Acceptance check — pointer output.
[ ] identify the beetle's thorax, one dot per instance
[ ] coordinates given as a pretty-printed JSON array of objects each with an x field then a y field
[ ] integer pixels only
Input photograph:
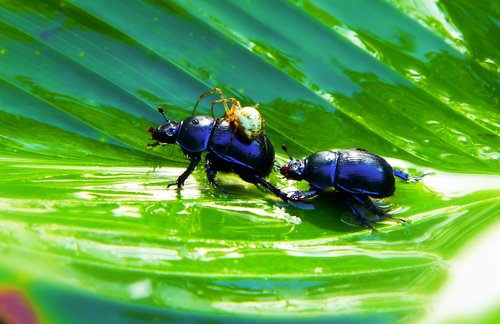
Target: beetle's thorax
[{"x": 321, "y": 168}]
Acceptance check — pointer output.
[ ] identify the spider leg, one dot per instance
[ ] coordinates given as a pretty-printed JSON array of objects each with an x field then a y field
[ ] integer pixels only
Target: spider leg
[
  {"x": 235, "y": 105},
  {"x": 232, "y": 136},
  {"x": 263, "y": 122},
  {"x": 214, "y": 90}
]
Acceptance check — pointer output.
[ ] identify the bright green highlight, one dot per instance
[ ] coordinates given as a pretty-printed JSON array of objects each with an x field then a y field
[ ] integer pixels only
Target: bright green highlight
[{"x": 86, "y": 221}]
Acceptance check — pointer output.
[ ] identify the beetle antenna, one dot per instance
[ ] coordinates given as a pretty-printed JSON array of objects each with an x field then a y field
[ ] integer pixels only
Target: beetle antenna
[
  {"x": 162, "y": 112},
  {"x": 283, "y": 146}
]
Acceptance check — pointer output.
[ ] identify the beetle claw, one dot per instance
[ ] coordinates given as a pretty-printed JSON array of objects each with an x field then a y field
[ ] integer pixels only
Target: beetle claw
[
  {"x": 216, "y": 185},
  {"x": 179, "y": 184},
  {"x": 284, "y": 197},
  {"x": 411, "y": 179},
  {"x": 418, "y": 178},
  {"x": 402, "y": 220},
  {"x": 151, "y": 145},
  {"x": 295, "y": 196},
  {"x": 368, "y": 225}
]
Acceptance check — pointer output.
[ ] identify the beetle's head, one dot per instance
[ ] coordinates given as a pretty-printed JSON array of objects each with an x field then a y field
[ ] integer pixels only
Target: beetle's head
[
  {"x": 166, "y": 133},
  {"x": 294, "y": 169}
]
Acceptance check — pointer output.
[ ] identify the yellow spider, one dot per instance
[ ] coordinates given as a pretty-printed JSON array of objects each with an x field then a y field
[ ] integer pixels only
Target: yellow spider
[{"x": 247, "y": 120}]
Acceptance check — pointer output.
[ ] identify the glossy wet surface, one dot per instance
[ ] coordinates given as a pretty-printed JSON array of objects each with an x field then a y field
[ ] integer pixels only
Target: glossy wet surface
[{"x": 85, "y": 217}]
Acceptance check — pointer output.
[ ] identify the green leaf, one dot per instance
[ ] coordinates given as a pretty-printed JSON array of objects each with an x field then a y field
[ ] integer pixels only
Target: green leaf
[{"x": 86, "y": 220}]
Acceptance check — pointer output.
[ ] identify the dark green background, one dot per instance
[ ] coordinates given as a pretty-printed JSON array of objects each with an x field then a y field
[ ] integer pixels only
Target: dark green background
[{"x": 89, "y": 232}]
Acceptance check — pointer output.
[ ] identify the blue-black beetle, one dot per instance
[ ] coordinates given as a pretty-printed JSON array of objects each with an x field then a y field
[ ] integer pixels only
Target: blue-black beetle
[
  {"x": 226, "y": 150},
  {"x": 356, "y": 173}
]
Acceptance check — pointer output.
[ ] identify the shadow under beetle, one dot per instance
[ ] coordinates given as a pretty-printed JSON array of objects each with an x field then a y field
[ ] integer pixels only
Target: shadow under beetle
[
  {"x": 226, "y": 150},
  {"x": 356, "y": 173}
]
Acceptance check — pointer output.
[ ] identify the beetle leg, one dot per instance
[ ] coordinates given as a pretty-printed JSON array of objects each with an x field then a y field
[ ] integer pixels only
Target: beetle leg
[
  {"x": 406, "y": 177},
  {"x": 151, "y": 145},
  {"x": 257, "y": 179},
  {"x": 366, "y": 201},
  {"x": 402, "y": 175},
  {"x": 360, "y": 216},
  {"x": 180, "y": 181},
  {"x": 368, "y": 204},
  {"x": 299, "y": 195},
  {"x": 211, "y": 173}
]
